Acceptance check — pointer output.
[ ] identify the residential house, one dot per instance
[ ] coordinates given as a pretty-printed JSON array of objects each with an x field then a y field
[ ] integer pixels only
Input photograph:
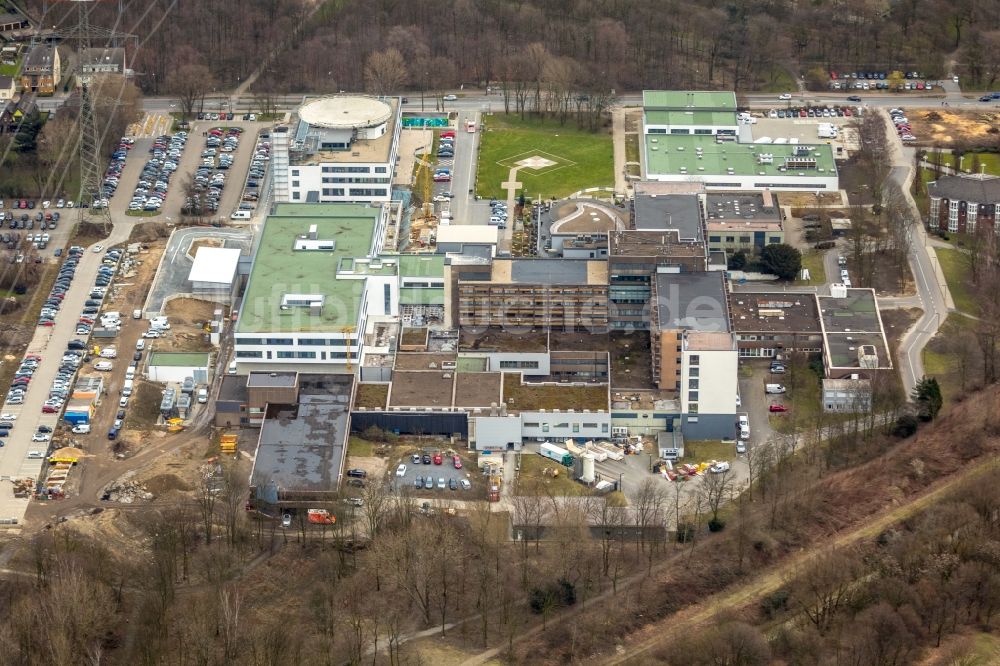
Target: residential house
[{"x": 42, "y": 70}]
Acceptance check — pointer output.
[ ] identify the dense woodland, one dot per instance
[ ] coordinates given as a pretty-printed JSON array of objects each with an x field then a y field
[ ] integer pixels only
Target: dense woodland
[{"x": 609, "y": 44}]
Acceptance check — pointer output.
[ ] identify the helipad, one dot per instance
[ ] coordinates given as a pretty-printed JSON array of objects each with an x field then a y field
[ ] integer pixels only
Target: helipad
[{"x": 345, "y": 112}]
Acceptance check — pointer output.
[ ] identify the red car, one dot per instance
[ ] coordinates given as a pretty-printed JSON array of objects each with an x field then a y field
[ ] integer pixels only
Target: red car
[
  {"x": 448, "y": 134},
  {"x": 49, "y": 409},
  {"x": 437, "y": 458},
  {"x": 32, "y": 357},
  {"x": 777, "y": 408},
  {"x": 47, "y": 323},
  {"x": 457, "y": 462}
]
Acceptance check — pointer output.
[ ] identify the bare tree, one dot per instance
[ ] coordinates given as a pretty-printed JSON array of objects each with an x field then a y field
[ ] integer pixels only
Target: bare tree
[
  {"x": 714, "y": 489},
  {"x": 190, "y": 83},
  {"x": 385, "y": 72}
]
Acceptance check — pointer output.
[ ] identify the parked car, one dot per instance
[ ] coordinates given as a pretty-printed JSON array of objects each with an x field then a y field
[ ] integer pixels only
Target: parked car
[{"x": 774, "y": 407}]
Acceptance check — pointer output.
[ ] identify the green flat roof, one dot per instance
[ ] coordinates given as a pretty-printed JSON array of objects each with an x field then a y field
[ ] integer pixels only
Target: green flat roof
[
  {"x": 421, "y": 265},
  {"x": 717, "y": 157},
  {"x": 683, "y": 99},
  {"x": 421, "y": 295},
  {"x": 695, "y": 117},
  {"x": 179, "y": 359},
  {"x": 278, "y": 269}
]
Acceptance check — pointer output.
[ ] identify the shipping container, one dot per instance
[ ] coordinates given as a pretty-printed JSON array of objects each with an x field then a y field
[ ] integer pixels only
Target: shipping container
[{"x": 557, "y": 453}]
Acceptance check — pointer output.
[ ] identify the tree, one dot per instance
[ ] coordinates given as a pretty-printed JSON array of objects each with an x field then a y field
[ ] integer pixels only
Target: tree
[
  {"x": 781, "y": 259},
  {"x": 714, "y": 488},
  {"x": 927, "y": 395},
  {"x": 817, "y": 78},
  {"x": 190, "y": 83},
  {"x": 738, "y": 261},
  {"x": 385, "y": 72}
]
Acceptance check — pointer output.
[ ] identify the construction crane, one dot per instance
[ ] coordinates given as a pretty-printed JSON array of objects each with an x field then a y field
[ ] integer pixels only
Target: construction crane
[{"x": 347, "y": 331}]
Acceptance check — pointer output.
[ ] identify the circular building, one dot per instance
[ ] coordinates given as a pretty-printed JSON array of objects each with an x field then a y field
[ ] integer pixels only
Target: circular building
[{"x": 337, "y": 116}]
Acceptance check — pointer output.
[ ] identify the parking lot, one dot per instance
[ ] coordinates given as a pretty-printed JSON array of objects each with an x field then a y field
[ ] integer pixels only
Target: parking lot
[
  {"x": 34, "y": 235},
  {"x": 446, "y": 471}
]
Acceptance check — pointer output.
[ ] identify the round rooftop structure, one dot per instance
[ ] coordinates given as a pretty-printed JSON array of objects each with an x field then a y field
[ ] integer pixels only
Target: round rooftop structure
[{"x": 345, "y": 112}]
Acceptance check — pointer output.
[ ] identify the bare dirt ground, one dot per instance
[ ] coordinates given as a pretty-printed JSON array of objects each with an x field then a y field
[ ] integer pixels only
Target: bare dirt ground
[
  {"x": 190, "y": 311},
  {"x": 187, "y": 319},
  {"x": 943, "y": 127},
  {"x": 203, "y": 242},
  {"x": 809, "y": 199}
]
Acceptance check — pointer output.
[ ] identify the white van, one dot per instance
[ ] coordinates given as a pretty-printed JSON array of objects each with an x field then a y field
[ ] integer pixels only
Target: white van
[
  {"x": 109, "y": 352},
  {"x": 81, "y": 429},
  {"x": 130, "y": 372},
  {"x": 104, "y": 366},
  {"x": 240, "y": 215},
  {"x": 111, "y": 316},
  {"x": 202, "y": 395},
  {"x": 127, "y": 387},
  {"x": 136, "y": 314},
  {"x": 140, "y": 344},
  {"x": 774, "y": 388},
  {"x": 159, "y": 322},
  {"x": 232, "y": 368}
]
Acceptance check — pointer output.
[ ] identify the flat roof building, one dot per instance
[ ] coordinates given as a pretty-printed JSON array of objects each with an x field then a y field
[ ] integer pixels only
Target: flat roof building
[
  {"x": 166, "y": 367},
  {"x": 340, "y": 148},
  {"x": 213, "y": 273},
  {"x": 681, "y": 213},
  {"x": 307, "y": 299},
  {"x": 300, "y": 450},
  {"x": 770, "y": 323},
  {"x": 693, "y": 136},
  {"x": 561, "y": 293},
  {"x": 853, "y": 335}
]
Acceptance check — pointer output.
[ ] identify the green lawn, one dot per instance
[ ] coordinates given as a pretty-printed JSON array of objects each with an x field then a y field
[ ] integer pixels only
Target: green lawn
[
  {"x": 581, "y": 159},
  {"x": 707, "y": 450},
  {"x": 956, "y": 273},
  {"x": 360, "y": 448},
  {"x": 813, "y": 260},
  {"x": 11, "y": 70},
  {"x": 940, "y": 360},
  {"x": 531, "y": 479}
]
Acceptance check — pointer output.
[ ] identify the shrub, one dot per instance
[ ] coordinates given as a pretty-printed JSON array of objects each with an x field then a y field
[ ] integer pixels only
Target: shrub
[{"x": 716, "y": 525}]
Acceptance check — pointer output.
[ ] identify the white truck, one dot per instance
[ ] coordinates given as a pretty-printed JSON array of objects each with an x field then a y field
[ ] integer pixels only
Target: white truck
[{"x": 826, "y": 131}]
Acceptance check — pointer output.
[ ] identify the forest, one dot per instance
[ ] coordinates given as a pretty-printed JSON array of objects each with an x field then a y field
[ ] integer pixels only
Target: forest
[{"x": 323, "y": 45}]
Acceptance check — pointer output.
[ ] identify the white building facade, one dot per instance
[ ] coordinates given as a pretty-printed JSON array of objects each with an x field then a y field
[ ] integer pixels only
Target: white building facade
[
  {"x": 709, "y": 384},
  {"x": 343, "y": 149}
]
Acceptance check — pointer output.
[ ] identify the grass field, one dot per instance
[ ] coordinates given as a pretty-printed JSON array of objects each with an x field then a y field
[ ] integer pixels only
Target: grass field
[
  {"x": 813, "y": 260},
  {"x": 956, "y": 273},
  {"x": 580, "y": 159},
  {"x": 708, "y": 450},
  {"x": 11, "y": 70},
  {"x": 532, "y": 481},
  {"x": 940, "y": 359}
]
